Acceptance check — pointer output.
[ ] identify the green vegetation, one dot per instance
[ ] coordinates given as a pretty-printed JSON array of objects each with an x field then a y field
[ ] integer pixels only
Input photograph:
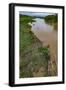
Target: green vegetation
[
  {"x": 26, "y": 36},
  {"x": 33, "y": 56},
  {"x": 45, "y": 52},
  {"x": 52, "y": 20}
]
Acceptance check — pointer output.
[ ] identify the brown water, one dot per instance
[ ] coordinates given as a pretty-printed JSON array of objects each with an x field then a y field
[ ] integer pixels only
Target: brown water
[{"x": 45, "y": 33}]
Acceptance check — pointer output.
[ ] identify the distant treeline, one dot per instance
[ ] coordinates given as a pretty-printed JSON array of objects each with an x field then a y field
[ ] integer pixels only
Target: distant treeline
[
  {"x": 51, "y": 18},
  {"x": 31, "y": 16}
]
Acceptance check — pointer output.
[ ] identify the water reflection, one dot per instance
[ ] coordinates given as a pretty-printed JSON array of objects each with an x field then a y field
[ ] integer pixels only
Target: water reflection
[
  {"x": 44, "y": 31},
  {"x": 41, "y": 25}
]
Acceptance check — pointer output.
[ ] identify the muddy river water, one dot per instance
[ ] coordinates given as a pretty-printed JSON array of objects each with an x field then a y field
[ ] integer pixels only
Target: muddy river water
[{"x": 47, "y": 35}]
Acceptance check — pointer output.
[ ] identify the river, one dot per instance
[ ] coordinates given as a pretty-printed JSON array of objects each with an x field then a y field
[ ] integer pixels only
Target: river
[{"x": 48, "y": 36}]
